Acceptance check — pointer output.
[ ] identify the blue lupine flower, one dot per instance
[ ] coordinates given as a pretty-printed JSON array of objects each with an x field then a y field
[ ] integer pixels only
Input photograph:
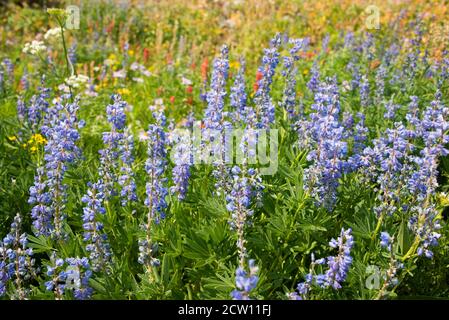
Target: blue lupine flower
[
  {"x": 38, "y": 107},
  {"x": 338, "y": 265},
  {"x": 400, "y": 170},
  {"x": 360, "y": 137},
  {"x": 214, "y": 116},
  {"x": 314, "y": 81},
  {"x": 324, "y": 136},
  {"x": 364, "y": 92},
  {"x": 2, "y": 81},
  {"x": 381, "y": 75},
  {"x": 303, "y": 288},
  {"x": 355, "y": 70},
  {"x": 41, "y": 212},
  {"x": 115, "y": 113},
  {"x": 24, "y": 82},
  {"x": 349, "y": 40},
  {"x": 78, "y": 274},
  {"x": 72, "y": 54},
  {"x": 96, "y": 240},
  {"x": 61, "y": 130},
  {"x": 58, "y": 276},
  {"x": 238, "y": 96},
  {"x": 442, "y": 70},
  {"x": 156, "y": 189},
  {"x": 412, "y": 115},
  {"x": 411, "y": 63},
  {"x": 391, "y": 109},
  {"x": 245, "y": 281},
  {"x": 147, "y": 252},
  {"x": 245, "y": 186},
  {"x": 391, "y": 275},
  {"x": 9, "y": 67},
  {"x": 215, "y": 123},
  {"x": 325, "y": 43},
  {"x": 262, "y": 99},
  {"x": 183, "y": 159},
  {"x": 4, "y": 274},
  {"x": 394, "y": 265},
  {"x": 368, "y": 46},
  {"x": 126, "y": 179},
  {"x": 423, "y": 180},
  {"x": 21, "y": 110},
  {"x": 385, "y": 240},
  {"x": 155, "y": 167},
  {"x": 16, "y": 260},
  {"x": 391, "y": 54},
  {"x": 386, "y": 163},
  {"x": 117, "y": 146},
  {"x": 289, "y": 72},
  {"x": 238, "y": 202}
]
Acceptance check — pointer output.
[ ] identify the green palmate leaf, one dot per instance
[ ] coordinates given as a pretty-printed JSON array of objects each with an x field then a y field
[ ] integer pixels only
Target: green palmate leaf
[
  {"x": 98, "y": 286},
  {"x": 404, "y": 238},
  {"x": 40, "y": 244}
]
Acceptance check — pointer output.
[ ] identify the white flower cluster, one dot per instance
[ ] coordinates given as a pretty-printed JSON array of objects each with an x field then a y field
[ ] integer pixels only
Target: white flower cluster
[
  {"x": 53, "y": 34},
  {"x": 185, "y": 81},
  {"x": 35, "y": 47},
  {"x": 139, "y": 67},
  {"x": 77, "y": 81}
]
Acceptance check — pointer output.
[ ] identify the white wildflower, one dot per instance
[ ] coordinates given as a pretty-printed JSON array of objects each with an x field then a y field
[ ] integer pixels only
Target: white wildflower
[
  {"x": 35, "y": 47},
  {"x": 119, "y": 74},
  {"x": 77, "y": 81},
  {"x": 186, "y": 81},
  {"x": 53, "y": 34},
  {"x": 138, "y": 79},
  {"x": 143, "y": 136}
]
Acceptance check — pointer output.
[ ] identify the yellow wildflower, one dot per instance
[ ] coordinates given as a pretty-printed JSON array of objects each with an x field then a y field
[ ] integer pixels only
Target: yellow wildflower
[
  {"x": 234, "y": 65},
  {"x": 443, "y": 199},
  {"x": 12, "y": 138},
  {"x": 112, "y": 57},
  {"x": 123, "y": 91},
  {"x": 39, "y": 139}
]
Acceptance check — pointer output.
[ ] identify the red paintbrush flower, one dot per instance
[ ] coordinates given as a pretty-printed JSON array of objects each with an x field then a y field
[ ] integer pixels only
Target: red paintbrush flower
[
  {"x": 146, "y": 54},
  {"x": 259, "y": 76},
  {"x": 110, "y": 26},
  {"x": 204, "y": 66}
]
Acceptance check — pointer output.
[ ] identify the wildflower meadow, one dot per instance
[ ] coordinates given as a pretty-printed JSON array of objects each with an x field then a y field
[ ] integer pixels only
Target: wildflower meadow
[{"x": 244, "y": 149}]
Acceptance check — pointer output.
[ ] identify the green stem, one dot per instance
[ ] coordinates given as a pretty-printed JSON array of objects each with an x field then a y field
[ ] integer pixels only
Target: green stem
[
  {"x": 69, "y": 66},
  {"x": 379, "y": 224},
  {"x": 412, "y": 249}
]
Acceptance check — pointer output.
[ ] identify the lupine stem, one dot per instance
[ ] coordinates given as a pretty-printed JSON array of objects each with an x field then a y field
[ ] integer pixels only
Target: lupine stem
[{"x": 69, "y": 66}]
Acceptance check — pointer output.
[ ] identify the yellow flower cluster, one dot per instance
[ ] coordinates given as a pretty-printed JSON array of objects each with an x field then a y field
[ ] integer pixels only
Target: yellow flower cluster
[
  {"x": 35, "y": 142},
  {"x": 123, "y": 91},
  {"x": 443, "y": 199}
]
